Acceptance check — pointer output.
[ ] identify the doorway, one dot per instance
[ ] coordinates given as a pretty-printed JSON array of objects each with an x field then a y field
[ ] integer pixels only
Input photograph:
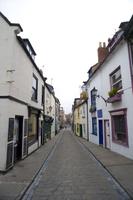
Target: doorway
[
  {"x": 107, "y": 134},
  {"x": 100, "y": 132},
  {"x": 18, "y": 133},
  {"x": 81, "y": 131}
]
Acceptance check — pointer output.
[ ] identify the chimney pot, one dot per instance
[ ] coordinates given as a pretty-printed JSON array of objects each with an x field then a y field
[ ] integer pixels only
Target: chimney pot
[
  {"x": 104, "y": 44},
  {"x": 100, "y": 44},
  {"x": 102, "y": 52}
]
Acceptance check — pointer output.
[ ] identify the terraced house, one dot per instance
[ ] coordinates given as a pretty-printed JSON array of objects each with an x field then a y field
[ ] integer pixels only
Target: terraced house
[
  {"x": 22, "y": 88},
  {"x": 80, "y": 116},
  {"x": 110, "y": 93}
]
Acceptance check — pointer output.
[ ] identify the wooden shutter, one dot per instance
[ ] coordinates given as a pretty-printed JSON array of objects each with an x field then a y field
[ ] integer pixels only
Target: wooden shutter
[
  {"x": 9, "y": 161},
  {"x": 10, "y": 144},
  {"x": 10, "y": 129}
]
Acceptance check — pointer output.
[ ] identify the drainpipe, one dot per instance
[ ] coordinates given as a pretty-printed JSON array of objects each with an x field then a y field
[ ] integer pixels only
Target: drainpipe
[
  {"x": 87, "y": 121},
  {"x": 44, "y": 134}
]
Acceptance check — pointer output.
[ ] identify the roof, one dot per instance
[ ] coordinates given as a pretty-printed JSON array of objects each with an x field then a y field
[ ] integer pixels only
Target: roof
[
  {"x": 50, "y": 87},
  {"x": 126, "y": 31},
  {"x": 26, "y": 40},
  {"x": 129, "y": 28},
  {"x": 97, "y": 66},
  {"x": 57, "y": 100},
  {"x": 9, "y": 23},
  {"x": 78, "y": 104},
  {"x": 20, "y": 40}
]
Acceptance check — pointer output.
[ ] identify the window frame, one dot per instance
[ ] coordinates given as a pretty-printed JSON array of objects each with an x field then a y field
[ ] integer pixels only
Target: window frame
[
  {"x": 30, "y": 129},
  {"x": 35, "y": 89},
  {"x": 93, "y": 132},
  {"x": 93, "y": 97},
  {"x": 112, "y": 74},
  {"x": 42, "y": 95},
  {"x": 119, "y": 112}
]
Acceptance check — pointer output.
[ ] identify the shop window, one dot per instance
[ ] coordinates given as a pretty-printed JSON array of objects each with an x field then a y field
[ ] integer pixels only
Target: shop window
[
  {"x": 32, "y": 127},
  {"x": 94, "y": 125},
  {"x": 119, "y": 127},
  {"x": 115, "y": 79},
  {"x": 34, "y": 88}
]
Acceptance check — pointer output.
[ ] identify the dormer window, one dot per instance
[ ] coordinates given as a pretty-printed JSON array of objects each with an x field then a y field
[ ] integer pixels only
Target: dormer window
[{"x": 29, "y": 48}]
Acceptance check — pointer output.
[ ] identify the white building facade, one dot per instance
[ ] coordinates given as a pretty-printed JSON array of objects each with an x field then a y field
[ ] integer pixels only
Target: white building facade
[
  {"x": 110, "y": 117},
  {"x": 50, "y": 114},
  {"x": 21, "y": 96}
]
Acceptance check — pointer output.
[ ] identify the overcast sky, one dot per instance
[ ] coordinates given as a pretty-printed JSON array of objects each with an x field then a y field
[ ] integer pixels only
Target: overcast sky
[{"x": 65, "y": 35}]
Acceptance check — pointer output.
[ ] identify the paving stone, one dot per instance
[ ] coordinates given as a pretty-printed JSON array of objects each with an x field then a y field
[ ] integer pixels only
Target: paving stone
[{"x": 72, "y": 174}]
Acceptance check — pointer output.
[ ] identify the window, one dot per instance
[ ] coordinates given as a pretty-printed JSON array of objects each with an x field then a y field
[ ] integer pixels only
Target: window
[
  {"x": 115, "y": 78},
  {"x": 34, "y": 88},
  {"x": 32, "y": 127},
  {"x": 78, "y": 112},
  {"x": 119, "y": 127},
  {"x": 42, "y": 94},
  {"x": 94, "y": 125},
  {"x": 83, "y": 113},
  {"x": 93, "y": 97}
]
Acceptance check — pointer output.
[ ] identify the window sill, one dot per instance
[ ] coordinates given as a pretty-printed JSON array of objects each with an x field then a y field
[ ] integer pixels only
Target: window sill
[
  {"x": 125, "y": 144},
  {"x": 32, "y": 142}
]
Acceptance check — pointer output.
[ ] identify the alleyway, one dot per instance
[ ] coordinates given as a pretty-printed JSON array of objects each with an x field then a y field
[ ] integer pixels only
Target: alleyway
[{"x": 71, "y": 173}]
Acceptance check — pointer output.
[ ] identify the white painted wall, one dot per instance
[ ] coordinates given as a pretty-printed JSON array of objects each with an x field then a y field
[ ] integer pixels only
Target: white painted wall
[
  {"x": 50, "y": 102},
  {"x": 101, "y": 81},
  {"x": 8, "y": 109},
  {"x": 13, "y": 57}
]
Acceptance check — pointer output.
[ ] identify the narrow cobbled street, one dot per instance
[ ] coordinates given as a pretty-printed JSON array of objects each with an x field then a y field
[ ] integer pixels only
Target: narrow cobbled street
[{"x": 72, "y": 173}]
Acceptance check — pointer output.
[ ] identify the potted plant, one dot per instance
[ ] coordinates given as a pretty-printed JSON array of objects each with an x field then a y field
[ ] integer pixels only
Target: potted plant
[{"x": 114, "y": 95}]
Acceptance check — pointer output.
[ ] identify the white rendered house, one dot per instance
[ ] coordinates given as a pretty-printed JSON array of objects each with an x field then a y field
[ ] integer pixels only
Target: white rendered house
[
  {"x": 110, "y": 117},
  {"x": 21, "y": 96},
  {"x": 50, "y": 114}
]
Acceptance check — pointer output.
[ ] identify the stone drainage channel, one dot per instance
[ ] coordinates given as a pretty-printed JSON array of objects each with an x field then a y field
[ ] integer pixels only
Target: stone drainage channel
[{"x": 27, "y": 194}]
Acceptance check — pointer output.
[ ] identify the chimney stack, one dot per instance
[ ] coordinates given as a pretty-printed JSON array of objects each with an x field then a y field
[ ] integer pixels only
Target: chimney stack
[{"x": 102, "y": 52}]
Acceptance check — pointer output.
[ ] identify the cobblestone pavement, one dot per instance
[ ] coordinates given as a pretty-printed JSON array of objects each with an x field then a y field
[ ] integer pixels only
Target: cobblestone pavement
[{"x": 73, "y": 174}]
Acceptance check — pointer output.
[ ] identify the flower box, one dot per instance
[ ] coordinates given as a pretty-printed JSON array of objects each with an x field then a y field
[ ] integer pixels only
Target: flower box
[{"x": 115, "y": 98}]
